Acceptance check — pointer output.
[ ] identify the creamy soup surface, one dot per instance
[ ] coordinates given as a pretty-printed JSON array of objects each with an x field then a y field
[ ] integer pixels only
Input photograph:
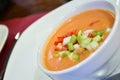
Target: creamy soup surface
[{"x": 76, "y": 39}]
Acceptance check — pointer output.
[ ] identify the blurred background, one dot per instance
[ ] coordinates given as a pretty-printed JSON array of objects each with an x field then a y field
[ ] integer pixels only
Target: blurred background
[{"x": 10, "y": 9}]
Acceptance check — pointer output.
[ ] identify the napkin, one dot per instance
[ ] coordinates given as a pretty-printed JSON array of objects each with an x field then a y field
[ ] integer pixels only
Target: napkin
[{"x": 16, "y": 25}]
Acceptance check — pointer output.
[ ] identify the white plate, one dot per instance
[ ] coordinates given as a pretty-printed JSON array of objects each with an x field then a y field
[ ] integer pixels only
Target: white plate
[
  {"x": 3, "y": 35},
  {"x": 22, "y": 64}
]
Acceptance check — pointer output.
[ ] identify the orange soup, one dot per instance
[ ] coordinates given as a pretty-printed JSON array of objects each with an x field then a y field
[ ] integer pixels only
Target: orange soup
[{"x": 76, "y": 39}]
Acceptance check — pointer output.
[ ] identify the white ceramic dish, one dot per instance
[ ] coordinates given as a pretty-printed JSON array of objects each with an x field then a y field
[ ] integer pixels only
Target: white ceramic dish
[
  {"x": 3, "y": 35},
  {"x": 22, "y": 64},
  {"x": 99, "y": 64}
]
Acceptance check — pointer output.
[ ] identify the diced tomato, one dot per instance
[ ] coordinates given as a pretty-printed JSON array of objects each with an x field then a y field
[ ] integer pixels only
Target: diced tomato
[
  {"x": 56, "y": 42},
  {"x": 59, "y": 40},
  {"x": 60, "y": 47},
  {"x": 90, "y": 35}
]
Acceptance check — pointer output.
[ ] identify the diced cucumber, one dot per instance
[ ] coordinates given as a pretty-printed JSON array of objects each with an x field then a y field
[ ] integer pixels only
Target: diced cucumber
[
  {"x": 100, "y": 32},
  {"x": 65, "y": 54},
  {"x": 94, "y": 44},
  {"x": 70, "y": 47},
  {"x": 79, "y": 39},
  {"x": 73, "y": 39},
  {"x": 75, "y": 57},
  {"x": 97, "y": 38},
  {"x": 86, "y": 41},
  {"x": 89, "y": 47},
  {"x": 83, "y": 45},
  {"x": 84, "y": 37}
]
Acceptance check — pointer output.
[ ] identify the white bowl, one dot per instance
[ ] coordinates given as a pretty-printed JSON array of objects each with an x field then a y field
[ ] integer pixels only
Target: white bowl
[{"x": 99, "y": 64}]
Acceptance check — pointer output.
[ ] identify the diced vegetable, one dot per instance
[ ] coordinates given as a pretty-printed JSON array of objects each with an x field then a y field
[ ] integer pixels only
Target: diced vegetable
[
  {"x": 59, "y": 46},
  {"x": 94, "y": 44},
  {"x": 79, "y": 50},
  {"x": 79, "y": 39},
  {"x": 65, "y": 54},
  {"x": 61, "y": 52},
  {"x": 89, "y": 47},
  {"x": 75, "y": 57},
  {"x": 97, "y": 38},
  {"x": 73, "y": 39},
  {"x": 83, "y": 45},
  {"x": 100, "y": 32},
  {"x": 76, "y": 46},
  {"x": 91, "y": 35},
  {"x": 66, "y": 40},
  {"x": 59, "y": 40},
  {"x": 87, "y": 32},
  {"x": 84, "y": 37},
  {"x": 80, "y": 33},
  {"x": 86, "y": 41},
  {"x": 70, "y": 47}
]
